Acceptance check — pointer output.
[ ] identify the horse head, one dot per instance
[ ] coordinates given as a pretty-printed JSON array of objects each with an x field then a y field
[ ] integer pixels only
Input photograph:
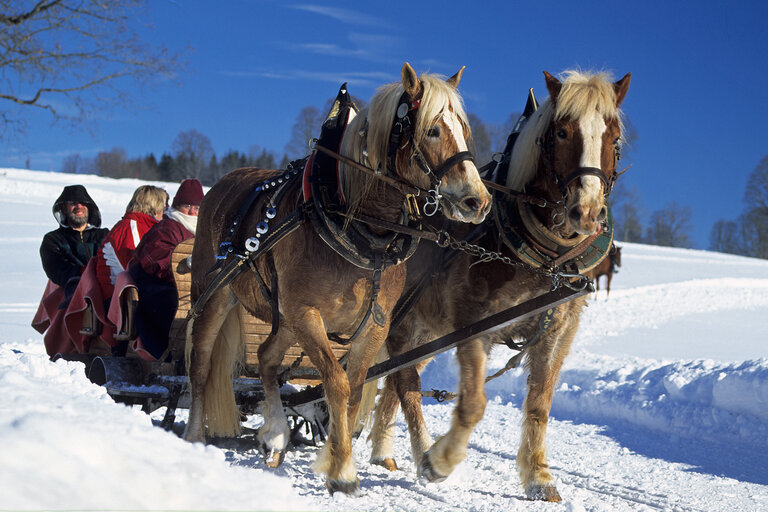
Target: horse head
[
  {"x": 570, "y": 149},
  {"x": 583, "y": 141},
  {"x": 426, "y": 145}
]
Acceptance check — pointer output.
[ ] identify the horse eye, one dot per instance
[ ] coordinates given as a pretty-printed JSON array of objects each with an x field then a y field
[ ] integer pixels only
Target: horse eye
[
  {"x": 434, "y": 132},
  {"x": 617, "y": 141},
  {"x": 562, "y": 134}
]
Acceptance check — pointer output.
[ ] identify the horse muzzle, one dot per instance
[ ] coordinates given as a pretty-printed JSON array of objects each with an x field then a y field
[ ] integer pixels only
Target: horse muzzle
[
  {"x": 584, "y": 220},
  {"x": 471, "y": 208}
]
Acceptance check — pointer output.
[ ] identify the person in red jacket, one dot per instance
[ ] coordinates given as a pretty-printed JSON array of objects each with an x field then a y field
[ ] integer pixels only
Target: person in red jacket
[
  {"x": 150, "y": 267},
  {"x": 143, "y": 211}
]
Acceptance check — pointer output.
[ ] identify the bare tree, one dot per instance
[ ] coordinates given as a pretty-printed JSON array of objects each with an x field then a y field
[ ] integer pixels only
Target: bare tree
[
  {"x": 756, "y": 215},
  {"x": 499, "y": 133},
  {"x": 72, "y": 58},
  {"x": 627, "y": 210},
  {"x": 113, "y": 163},
  {"x": 76, "y": 164},
  {"x": 480, "y": 144},
  {"x": 193, "y": 152},
  {"x": 306, "y": 127},
  {"x": 725, "y": 237},
  {"x": 670, "y": 226}
]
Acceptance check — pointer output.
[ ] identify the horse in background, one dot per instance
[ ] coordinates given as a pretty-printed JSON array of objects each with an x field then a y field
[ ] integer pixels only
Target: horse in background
[
  {"x": 561, "y": 168},
  {"x": 607, "y": 268},
  {"x": 324, "y": 288}
]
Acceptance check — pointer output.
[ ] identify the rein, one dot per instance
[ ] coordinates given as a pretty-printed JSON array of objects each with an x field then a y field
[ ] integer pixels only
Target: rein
[{"x": 403, "y": 187}]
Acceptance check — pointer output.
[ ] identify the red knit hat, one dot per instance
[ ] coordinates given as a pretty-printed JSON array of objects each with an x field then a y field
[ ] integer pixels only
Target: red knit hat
[{"x": 190, "y": 192}]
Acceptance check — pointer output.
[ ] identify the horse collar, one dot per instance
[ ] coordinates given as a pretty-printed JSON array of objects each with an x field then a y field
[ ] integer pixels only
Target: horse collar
[
  {"x": 351, "y": 240},
  {"x": 536, "y": 245}
]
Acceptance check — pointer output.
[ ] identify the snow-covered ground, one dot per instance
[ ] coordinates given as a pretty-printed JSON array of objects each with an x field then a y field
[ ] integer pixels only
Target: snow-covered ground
[{"x": 663, "y": 403}]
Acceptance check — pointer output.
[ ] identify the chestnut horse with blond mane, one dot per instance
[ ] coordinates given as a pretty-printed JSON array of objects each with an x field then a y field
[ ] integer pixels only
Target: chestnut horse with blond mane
[
  {"x": 549, "y": 229},
  {"x": 322, "y": 288}
]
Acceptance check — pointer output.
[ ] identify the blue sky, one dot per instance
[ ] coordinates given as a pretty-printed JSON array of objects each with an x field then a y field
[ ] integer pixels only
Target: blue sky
[{"x": 697, "y": 99}]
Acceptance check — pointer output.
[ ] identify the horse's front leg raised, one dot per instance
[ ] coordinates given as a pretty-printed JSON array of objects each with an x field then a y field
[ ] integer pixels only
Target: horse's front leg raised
[
  {"x": 544, "y": 361},
  {"x": 275, "y": 433},
  {"x": 450, "y": 449}
]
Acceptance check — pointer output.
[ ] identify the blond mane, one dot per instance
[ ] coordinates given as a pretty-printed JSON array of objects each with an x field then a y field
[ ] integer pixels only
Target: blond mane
[
  {"x": 582, "y": 93},
  {"x": 368, "y": 133}
]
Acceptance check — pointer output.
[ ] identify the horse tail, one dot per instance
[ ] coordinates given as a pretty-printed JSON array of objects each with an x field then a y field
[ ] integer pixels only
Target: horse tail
[
  {"x": 368, "y": 400},
  {"x": 222, "y": 415}
]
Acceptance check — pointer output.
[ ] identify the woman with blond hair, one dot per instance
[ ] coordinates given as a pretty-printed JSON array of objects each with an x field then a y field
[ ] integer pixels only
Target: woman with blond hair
[{"x": 144, "y": 210}]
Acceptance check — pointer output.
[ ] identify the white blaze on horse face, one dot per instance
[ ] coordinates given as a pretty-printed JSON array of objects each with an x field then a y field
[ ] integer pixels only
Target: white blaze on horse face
[
  {"x": 456, "y": 132},
  {"x": 592, "y": 129}
]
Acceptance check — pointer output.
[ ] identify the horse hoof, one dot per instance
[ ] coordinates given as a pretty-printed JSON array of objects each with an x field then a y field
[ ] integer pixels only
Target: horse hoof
[
  {"x": 387, "y": 462},
  {"x": 427, "y": 471},
  {"x": 546, "y": 492},
  {"x": 343, "y": 486},
  {"x": 273, "y": 458}
]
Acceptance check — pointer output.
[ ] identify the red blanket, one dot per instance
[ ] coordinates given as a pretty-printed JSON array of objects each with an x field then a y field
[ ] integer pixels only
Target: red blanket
[
  {"x": 51, "y": 319},
  {"x": 123, "y": 283}
]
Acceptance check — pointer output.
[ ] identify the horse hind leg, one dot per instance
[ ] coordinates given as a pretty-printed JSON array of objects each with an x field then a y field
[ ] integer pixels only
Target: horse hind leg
[
  {"x": 450, "y": 449},
  {"x": 383, "y": 430},
  {"x": 206, "y": 341},
  {"x": 275, "y": 433}
]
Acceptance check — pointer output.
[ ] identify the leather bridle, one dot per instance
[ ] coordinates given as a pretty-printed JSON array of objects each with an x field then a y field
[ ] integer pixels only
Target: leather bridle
[
  {"x": 403, "y": 128},
  {"x": 547, "y": 147}
]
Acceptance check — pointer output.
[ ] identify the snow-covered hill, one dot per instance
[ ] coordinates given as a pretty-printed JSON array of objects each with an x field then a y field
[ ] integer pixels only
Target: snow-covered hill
[{"x": 663, "y": 403}]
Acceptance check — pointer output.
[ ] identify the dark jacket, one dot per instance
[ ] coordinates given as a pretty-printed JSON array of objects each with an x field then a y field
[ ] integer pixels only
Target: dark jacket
[
  {"x": 65, "y": 252},
  {"x": 150, "y": 268}
]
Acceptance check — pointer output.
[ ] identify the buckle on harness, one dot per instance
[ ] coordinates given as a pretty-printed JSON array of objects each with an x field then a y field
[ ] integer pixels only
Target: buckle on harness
[
  {"x": 413, "y": 207},
  {"x": 224, "y": 249}
]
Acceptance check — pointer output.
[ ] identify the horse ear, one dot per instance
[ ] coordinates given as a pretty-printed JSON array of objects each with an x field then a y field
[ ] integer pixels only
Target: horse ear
[
  {"x": 455, "y": 79},
  {"x": 621, "y": 88},
  {"x": 553, "y": 86},
  {"x": 411, "y": 82}
]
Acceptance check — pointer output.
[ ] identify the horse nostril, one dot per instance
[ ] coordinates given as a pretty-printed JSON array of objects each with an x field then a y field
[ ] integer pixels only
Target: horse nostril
[
  {"x": 602, "y": 214},
  {"x": 471, "y": 203},
  {"x": 575, "y": 214}
]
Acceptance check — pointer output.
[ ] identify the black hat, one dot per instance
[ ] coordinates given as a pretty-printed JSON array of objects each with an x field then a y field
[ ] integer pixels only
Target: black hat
[{"x": 76, "y": 194}]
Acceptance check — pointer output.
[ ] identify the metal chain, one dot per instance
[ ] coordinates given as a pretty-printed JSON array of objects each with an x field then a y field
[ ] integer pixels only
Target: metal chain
[{"x": 485, "y": 256}]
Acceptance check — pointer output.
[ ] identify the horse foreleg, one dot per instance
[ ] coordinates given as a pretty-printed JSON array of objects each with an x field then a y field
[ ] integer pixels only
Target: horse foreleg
[
  {"x": 335, "y": 458},
  {"x": 544, "y": 361},
  {"x": 201, "y": 339},
  {"x": 275, "y": 433},
  {"x": 450, "y": 449},
  {"x": 608, "y": 285}
]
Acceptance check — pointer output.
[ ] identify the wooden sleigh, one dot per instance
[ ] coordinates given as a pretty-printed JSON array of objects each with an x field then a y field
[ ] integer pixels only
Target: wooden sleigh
[{"x": 134, "y": 379}]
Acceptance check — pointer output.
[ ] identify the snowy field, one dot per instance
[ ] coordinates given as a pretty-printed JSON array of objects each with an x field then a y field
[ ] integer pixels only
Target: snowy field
[{"x": 662, "y": 405}]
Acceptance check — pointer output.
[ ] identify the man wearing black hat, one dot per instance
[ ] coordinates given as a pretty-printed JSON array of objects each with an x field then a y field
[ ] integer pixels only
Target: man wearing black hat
[{"x": 65, "y": 252}]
